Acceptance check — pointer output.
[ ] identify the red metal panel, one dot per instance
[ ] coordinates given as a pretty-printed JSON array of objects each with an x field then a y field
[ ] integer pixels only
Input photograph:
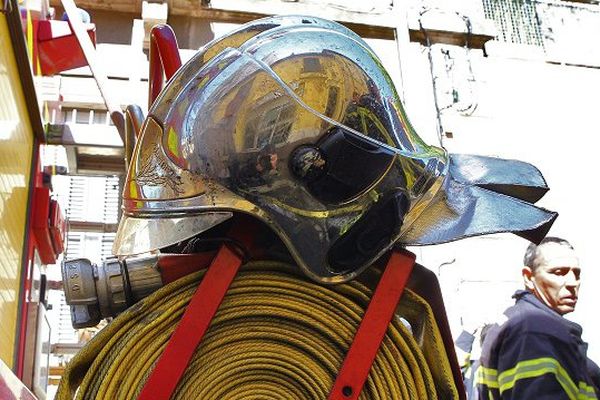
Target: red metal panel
[
  {"x": 58, "y": 48},
  {"x": 58, "y": 227},
  {"x": 39, "y": 224},
  {"x": 27, "y": 266},
  {"x": 48, "y": 225}
]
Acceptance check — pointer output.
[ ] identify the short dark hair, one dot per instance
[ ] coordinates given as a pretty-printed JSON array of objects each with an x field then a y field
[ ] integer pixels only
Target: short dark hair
[{"x": 532, "y": 254}]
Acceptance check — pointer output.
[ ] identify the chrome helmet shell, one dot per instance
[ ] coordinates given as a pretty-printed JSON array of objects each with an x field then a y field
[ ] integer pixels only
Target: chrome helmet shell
[{"x": 298, "y": 125}]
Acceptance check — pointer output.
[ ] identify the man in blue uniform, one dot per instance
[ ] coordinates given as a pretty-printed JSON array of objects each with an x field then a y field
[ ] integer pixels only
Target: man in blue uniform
[{"x": 536, "y": 353}]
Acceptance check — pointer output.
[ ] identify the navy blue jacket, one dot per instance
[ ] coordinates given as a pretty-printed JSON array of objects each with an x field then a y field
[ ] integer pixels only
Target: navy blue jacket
[{"x": 535, "y": 354}]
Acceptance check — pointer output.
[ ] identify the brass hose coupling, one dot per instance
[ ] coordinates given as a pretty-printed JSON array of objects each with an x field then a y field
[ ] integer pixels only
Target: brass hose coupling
[{"x": 102, "y": 291}]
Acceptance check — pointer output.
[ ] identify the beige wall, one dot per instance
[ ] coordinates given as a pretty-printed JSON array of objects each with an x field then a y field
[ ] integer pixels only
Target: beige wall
[{"x": 527, "y": 109}]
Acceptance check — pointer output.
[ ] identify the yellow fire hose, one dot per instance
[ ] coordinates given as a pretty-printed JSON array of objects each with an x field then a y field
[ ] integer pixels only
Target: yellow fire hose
[{"x": 276, "y": 335}]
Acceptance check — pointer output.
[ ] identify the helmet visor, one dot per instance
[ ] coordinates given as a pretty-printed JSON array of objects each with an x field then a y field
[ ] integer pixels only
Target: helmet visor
[
  {"x": 305, "y": 143},
  {"x": 243, "y": 123}
]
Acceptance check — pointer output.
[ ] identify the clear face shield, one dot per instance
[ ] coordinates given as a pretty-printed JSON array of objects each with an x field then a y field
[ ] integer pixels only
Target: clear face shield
[{"x": 307, "y": 143}]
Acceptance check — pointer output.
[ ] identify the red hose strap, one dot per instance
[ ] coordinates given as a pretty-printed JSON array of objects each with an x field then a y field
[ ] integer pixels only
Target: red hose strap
[
  {"x": 193, "y": 325},
  {"x": 370, "y": 333},
  {"x": 206, "y": 300}
]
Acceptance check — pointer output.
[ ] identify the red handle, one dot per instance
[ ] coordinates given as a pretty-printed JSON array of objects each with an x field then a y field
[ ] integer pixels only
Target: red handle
[{"x": 164, "y": 59}]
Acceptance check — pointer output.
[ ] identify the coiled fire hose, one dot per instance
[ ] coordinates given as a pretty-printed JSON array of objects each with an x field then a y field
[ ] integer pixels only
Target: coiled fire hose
[{"x": 276, "y": 335}]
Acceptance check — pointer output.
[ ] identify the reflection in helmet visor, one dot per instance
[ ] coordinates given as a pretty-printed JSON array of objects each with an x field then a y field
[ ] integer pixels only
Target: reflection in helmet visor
[
  {"x": 378, "y": 228},
  {"x": 241, "y": 103},
  {"x": 352, "y": 165}
]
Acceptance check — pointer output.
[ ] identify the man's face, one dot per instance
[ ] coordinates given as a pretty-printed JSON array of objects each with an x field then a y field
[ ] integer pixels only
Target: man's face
[{"x": 556, "y": 280}]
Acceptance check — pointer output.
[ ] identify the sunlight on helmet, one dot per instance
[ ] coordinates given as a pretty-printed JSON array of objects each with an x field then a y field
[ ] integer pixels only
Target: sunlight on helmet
[{"x": 300, "y": 126}]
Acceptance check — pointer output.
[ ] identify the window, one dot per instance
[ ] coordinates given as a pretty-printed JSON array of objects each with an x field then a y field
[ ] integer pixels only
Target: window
[{"x": 517, "y": 21}]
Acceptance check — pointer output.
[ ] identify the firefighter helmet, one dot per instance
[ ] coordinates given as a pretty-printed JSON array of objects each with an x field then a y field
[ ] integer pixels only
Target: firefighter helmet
[{"x": 298, "y": 125}]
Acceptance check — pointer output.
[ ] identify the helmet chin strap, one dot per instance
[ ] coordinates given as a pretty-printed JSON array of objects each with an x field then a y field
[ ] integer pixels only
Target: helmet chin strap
[{"x": 539, "y": 294}]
